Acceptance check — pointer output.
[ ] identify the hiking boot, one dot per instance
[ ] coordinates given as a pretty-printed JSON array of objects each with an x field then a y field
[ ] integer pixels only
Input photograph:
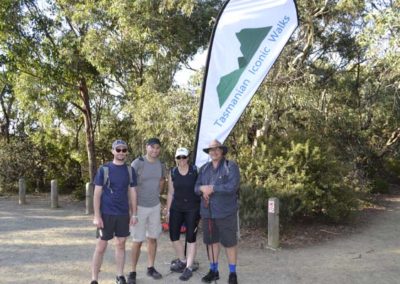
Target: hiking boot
[
  {"x": 232, "y": 278},
  {"x": 177, "y": 266},
  {"x": 120, "y": 280},
  {"x": 132, "y": 278},
  {"x": 211, "y": 276},
  {"x": 94, "y": 282},
  {"x": 152, "y": 272},
  {"x": 187, "y": 273}
]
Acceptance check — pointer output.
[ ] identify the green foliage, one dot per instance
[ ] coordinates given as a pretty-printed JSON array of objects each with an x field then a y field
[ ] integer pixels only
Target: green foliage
[
  {"x": 321, "y": 131},
  {"x": 307, "y": 180},
  {"x": 38, "y": 164},
  {"x": 17, "y": 160},
  {"x": 158, "y": 114},
  {"x": 253, "y": 206},
  {"x": 380, "y": 186},
  {"x": 393, "y": 165}
]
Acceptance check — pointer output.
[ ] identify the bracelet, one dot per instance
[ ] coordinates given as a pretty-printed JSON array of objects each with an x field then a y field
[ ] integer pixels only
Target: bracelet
[{"x": 134, "y": 216}]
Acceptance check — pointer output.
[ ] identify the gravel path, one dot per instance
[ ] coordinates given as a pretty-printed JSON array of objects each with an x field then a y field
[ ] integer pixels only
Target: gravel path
[{"x": 43, "y": 245}]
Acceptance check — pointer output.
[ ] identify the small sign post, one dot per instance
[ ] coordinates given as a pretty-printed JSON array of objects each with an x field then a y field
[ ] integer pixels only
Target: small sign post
[
  {"x": 22, "y": 191},
  {"x": 54, "y": 194},
  {"x": 89, "y": 198},
  {"x": 273, "y": 222}
]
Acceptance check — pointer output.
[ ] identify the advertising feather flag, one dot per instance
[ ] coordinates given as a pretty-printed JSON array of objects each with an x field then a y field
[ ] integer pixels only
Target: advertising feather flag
[{"x": 248, "y": 37}]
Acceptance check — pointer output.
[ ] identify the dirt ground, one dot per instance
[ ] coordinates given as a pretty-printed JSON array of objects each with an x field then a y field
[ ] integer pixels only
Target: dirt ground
[{"x": 43, "y": 245}]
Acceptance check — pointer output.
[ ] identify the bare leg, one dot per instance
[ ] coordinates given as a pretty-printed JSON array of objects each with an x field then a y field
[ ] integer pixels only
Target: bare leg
[
  {"x": 213, "y": 251},
  {"x": 191, "y": 254},
  {"x": 151, "y": 251},
  {"x": 120, "y": 255},
  {"x": 98, "y": 258},
  {"x": 135, "y": 254},
  {"x": 231, "y": 254},
  {"x": 179, "y": 250}
]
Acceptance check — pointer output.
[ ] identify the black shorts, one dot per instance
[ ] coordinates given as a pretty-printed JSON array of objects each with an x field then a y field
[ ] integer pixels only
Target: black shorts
[
  {"x": 114, "y": 225},
  {"x": 177, "y": 218},
  {"x": 221, "y": 230}
]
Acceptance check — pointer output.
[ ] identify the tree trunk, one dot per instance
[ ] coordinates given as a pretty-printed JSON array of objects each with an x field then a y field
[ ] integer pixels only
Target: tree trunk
[
  {"x": 390, "y": 144},
  {"x": 89, "y": 130},
  {"x": 5, "y": 127}
]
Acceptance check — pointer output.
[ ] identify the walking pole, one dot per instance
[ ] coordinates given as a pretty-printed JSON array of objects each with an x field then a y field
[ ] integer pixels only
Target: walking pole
[{"x": 210, "y": 234}]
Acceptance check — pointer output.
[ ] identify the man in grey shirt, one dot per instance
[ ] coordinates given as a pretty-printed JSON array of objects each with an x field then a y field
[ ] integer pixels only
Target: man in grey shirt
[{"x": 151, "y": 175}]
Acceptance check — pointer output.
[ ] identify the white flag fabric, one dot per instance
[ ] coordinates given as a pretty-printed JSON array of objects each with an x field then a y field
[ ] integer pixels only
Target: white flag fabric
[{"x": 247, "y": 39}]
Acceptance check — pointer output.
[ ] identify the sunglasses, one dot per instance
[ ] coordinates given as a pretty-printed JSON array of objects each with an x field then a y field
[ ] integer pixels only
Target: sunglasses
[
  {"x": 181, "y": 157},
  {"x": 121, "y": 150}
]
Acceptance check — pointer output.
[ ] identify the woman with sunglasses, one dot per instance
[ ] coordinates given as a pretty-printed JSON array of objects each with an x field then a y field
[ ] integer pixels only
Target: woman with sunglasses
[{"x": 183, "y": 207}]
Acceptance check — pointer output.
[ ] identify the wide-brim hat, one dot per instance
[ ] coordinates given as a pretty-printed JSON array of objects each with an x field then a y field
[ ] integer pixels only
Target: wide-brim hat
[{"x": 216, "y": 144}]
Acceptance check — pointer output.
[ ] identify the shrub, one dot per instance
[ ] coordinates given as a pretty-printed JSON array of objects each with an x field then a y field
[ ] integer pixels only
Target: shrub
[
  {"x": 253, "y": 206},
  {"x": 307, "y": 180}
]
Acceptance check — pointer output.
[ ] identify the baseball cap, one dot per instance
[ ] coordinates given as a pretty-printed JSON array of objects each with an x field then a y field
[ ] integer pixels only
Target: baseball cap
[
  {"x": 117, "y": 143},
  {"x": 181, "y": 152},
  {"x": 153, "y": 141}
]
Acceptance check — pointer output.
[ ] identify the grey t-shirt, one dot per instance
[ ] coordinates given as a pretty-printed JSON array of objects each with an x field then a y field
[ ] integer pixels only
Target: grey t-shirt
[{"x": 148, "y": 178}]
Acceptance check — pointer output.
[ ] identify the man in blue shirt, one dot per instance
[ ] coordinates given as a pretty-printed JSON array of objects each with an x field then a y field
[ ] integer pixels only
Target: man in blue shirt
[
  {"x": 115, "y": 207},
  {"x": 218, "y": 184}
]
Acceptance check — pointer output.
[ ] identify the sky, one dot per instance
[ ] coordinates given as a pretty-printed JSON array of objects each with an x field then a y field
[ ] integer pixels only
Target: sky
[{"x": 182, "y": 77}]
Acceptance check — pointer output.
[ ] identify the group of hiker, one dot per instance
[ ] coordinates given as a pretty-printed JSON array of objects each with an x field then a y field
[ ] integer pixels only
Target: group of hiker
[{"x": 127, "y": 203}]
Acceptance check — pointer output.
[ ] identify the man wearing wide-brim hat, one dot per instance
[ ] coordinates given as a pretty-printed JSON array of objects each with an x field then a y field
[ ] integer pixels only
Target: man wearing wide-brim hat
[
  {"x": 216, "y": 144},
  {"x": 218, "y": 184}
]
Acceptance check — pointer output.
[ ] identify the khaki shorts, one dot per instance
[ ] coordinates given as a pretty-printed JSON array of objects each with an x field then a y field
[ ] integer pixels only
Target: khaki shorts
[{"x": 148, "y": 225}]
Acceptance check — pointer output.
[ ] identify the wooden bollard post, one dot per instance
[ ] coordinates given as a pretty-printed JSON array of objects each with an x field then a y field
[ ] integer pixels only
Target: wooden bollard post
[
  {"x": 54, "y": 194},
  {"x": 22, "y": 191},
  {"x": 273, "y": 222},
  {"x": 89, "y": 198}
]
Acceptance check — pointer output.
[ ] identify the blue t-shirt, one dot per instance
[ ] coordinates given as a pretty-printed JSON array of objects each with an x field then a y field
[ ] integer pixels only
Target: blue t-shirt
[{"x": 114, "y": 199}]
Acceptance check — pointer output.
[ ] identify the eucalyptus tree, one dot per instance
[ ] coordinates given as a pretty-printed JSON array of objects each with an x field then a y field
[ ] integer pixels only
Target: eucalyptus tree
[
  {"x": 86, "y": 59},
  {"x": 52, "y": 76},
  {"x": 335, "y": 75},
  {"x": 7, "y": 99}
]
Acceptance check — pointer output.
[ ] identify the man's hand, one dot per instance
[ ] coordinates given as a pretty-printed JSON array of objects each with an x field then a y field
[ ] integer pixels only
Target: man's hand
[
  {"x": 98, "y": 222},
  {"x": 134, "y": 220},
  {"x": 207, "y": 190}
]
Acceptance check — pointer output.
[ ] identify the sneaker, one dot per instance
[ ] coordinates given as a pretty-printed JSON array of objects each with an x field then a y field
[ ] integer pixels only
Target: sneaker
[
  {"x": 232, "y": 278},
  {"x": 152, "y": 272},
  {"x": 177, "y": 266},
  {"x": 187, "y": 273},
  {"x": 120, "y": 280},
  {"x": 195, "y": 266},
  {"x": 94, "y": 282},
  {"x": 132, "y": 278},
  {"x": 211, "y": 276}
]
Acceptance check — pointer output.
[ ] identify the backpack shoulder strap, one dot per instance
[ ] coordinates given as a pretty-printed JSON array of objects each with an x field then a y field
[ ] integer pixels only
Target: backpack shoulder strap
[
  {"x": 204, "y": 167},
  {"x": 130, "y": 174},
  {"x": 173, "y": 173},
  {"x": 140, "y": 166},
  {"x": 193, "y": 169},
  {"x": 163, "y": 168},
  {"x": 106, "y": 176},
  {"x": 226, "y": 166}
]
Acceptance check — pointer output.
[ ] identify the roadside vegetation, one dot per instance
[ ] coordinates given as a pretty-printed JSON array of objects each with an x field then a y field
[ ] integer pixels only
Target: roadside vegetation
[{"x": 321, "y": 134}]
